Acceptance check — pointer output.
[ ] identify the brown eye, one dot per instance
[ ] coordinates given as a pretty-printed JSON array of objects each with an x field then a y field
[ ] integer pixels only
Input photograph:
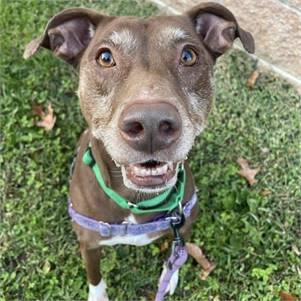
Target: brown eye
[
  {"x": 105, "y": 58},
  {"x": 188, "y": 57}
]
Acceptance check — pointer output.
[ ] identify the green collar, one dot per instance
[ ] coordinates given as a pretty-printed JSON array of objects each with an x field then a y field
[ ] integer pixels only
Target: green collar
[{"x": 166, "y": 201}]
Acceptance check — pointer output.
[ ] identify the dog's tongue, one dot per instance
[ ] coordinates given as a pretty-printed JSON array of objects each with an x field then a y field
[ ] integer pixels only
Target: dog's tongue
[{"x": 150, "y": 173}]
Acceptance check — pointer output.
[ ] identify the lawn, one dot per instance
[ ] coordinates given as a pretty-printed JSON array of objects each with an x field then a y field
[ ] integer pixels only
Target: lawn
[{"x": 252, "y": 233}]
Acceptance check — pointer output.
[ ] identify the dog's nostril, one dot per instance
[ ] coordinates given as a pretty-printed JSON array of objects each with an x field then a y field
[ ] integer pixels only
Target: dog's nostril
[
  {"x": 166, "y": 127},
  {"x": 133, "y": 128}
]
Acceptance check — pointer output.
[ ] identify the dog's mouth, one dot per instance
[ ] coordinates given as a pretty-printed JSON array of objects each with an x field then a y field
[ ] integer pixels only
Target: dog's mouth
[{"x": 151, "y": 174}]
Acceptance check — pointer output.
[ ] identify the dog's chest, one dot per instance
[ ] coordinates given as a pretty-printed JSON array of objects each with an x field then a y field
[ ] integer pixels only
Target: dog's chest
[
  {"x": 138, "y": 240},
  {"x": 135, "y": 240}
]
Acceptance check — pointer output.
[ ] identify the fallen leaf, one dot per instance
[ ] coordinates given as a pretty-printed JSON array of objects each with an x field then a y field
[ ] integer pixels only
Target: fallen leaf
[
  {"x": 247, "y": 172},
  {"x": 164, "y": 246},
  {"x": 196, "y": 252},
  {"x": 285, "y": 296},
  {"x": 266, "y": 192},
  {"x": 252, "y": 79},
  {"x": 38, "y": 110},
  {"x": 204, "y": 274},
  {"x": 48, "y": 120}
]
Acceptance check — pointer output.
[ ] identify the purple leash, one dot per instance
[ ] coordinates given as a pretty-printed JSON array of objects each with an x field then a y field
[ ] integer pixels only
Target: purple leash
[
  {"x": 178, "y": 254},
  {"x": 177, "y": 258}
]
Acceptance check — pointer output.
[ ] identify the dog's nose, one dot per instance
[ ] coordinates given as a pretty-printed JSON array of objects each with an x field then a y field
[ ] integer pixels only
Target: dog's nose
[{"x": 150, "y": 127}]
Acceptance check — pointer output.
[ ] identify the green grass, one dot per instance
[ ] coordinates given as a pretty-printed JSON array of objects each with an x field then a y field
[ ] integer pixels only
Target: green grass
[{"x": 251, "y": 237}]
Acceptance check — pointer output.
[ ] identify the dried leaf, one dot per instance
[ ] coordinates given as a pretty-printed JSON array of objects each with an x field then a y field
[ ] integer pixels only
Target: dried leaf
[
  {"x": 247, "y": 172},
  {"x": 252, "y": 79},
  {"x": 285, "y": 296},
  {"x": 265, "y": 192},
  {"x": 196, "y": 252},
  {"x": 38, "y": 110},
  {"x": 164, "y": 246},
  {"x": 48, "y": 120},
  {"x": 204, "y": 275}
]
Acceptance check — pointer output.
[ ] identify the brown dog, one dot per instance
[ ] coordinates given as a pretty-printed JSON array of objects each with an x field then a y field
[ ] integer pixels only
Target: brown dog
[{"x": 145, "y": 89}]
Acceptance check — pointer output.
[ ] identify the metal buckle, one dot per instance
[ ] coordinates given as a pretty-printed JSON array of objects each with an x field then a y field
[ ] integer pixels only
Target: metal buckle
[
  {"x": 180, "y": 208},
  {"x": 106, "y": 229},
  {"x": 125, "y": 225},
  {"x": 176, "y": 223},
  {"x": 131, "y": 205}
]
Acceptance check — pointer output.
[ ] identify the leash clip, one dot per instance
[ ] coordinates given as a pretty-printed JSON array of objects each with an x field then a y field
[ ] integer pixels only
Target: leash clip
[{"x": 176, "y": 223}]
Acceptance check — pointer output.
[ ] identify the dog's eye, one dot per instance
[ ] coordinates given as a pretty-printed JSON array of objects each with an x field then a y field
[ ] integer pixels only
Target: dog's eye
[
  {"x": 188, "y": 57},
  {"x": 105, "y": 58}
]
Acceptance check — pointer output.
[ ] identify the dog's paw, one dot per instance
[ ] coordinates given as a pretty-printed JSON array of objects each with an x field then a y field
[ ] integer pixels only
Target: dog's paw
[{"x": 98, "y": 292}]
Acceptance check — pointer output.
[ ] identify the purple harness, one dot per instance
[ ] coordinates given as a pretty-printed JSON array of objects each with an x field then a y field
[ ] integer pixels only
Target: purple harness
[{"x": 178, "y": 255}]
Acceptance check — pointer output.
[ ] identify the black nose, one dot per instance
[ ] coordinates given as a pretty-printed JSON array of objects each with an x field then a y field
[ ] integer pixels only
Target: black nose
[{"x": 150, "y": 127}]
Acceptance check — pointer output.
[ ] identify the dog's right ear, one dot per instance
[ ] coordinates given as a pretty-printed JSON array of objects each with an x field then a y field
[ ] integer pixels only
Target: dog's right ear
[
  {"x": 67, "y": 34},
  {"x": 218, "y": 28}
]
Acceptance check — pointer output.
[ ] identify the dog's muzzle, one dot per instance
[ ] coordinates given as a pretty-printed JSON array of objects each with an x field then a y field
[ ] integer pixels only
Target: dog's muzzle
[{"x": 150, "y": 128}]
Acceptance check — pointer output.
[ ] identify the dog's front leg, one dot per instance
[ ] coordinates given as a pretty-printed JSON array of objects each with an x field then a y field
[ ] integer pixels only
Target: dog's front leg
[{"x": 97, "y": 286}]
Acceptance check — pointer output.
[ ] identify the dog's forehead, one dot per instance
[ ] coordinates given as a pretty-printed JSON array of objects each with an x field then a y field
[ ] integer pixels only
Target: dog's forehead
[{"x": 128, "y": 32}]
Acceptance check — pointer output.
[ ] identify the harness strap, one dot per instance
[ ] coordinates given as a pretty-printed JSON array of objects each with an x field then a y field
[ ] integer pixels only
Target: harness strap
[{"x": 107, "y": 230}]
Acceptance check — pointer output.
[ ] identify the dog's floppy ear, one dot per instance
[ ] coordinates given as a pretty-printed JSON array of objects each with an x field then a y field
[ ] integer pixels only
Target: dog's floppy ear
[
  {"x": 67, "y": 34},
  {"x": 218, "y": 28}
]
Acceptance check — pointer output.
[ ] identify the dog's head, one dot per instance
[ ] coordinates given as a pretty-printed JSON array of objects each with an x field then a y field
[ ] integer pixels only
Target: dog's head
[{"x": 145, "y": 85}]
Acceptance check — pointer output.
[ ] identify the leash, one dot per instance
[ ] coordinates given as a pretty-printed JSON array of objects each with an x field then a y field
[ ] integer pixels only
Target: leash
[
  {"x": 178, "y": 254},
  {"x": 169, "y": 202},
  {"x": 166, "y": 201}
]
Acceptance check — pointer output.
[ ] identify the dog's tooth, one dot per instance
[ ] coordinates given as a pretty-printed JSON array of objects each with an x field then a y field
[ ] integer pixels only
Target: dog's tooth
[
  {"x": 143, "y": 172},
  {"x": 135, "y": 169},
  {"x": 164, "y": 168},
  {"x": 160, "y": 170},
  {"x": 154, "y": 171}
]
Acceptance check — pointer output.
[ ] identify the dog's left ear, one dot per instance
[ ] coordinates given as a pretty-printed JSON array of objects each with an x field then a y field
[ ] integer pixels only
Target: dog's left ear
[
  {"x": 218, "y": 28},
  {"x": 67, "y": 34}
]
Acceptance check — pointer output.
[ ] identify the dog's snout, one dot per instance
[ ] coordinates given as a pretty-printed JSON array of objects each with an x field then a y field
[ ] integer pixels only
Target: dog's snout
[{"x": 150, "y": 127}]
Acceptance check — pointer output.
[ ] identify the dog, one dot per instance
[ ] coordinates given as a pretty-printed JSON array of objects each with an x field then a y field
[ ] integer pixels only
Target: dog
[{"x": 145, "y": 90}]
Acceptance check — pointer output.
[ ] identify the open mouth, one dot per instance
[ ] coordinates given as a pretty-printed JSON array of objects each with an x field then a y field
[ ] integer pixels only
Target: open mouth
[{"x": 151, "y": 173}]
